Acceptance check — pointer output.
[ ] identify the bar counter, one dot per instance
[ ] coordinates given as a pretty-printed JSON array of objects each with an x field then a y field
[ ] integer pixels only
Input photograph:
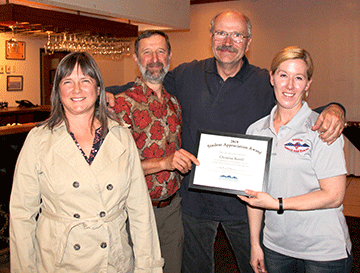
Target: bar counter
[
  {"x": 17, "y": 120},
  {"x": 17, "y": 129}
]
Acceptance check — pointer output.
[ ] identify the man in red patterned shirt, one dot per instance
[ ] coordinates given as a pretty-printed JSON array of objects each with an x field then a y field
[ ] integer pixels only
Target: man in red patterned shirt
[{"x": 154, "y": 117}]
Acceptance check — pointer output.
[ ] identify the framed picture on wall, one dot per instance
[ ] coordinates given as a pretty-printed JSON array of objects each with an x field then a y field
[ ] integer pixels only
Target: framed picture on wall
[
  {"x": 15, "y": 50},
  {"x": 14, "y": 83}
]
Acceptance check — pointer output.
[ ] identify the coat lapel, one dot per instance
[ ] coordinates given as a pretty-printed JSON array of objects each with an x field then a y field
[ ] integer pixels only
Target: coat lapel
[
  {"x": 109, "y": 151},
  {"x": 67, "y": 149}
]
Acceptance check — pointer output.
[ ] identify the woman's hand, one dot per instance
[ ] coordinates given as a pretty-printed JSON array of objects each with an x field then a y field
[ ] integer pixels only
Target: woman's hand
[{"x": 260, "y": 199}]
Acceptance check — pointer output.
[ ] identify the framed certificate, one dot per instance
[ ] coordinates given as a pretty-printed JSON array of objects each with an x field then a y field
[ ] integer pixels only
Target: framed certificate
[{"x": 231, "y": 163}]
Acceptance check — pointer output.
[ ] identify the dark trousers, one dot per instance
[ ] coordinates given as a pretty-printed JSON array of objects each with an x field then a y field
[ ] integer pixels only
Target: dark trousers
[
  {"x": 171, "y": 234},
  {"x": 199, "y": 238},
  {"x": 279, "y": 263}
]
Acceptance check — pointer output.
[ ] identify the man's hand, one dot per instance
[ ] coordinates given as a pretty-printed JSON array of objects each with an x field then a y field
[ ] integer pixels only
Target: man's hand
[
  {"x": 257, "y": 260},
  {"x": 180, "y": 160},
  {"x": 110, "y": 99},
  {"x": 330, "y": 123}
]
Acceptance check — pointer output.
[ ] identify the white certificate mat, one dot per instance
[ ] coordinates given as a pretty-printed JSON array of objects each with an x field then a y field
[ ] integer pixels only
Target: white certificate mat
[{"x": 231, "y": 163}]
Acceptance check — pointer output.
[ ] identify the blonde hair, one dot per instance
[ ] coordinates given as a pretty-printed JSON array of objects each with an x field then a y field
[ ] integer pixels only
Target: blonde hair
[{"x": 291, "y": 53}]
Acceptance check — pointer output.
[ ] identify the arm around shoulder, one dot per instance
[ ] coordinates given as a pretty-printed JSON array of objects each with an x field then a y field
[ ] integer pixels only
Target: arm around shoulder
[{"x": 330, "y": 122}]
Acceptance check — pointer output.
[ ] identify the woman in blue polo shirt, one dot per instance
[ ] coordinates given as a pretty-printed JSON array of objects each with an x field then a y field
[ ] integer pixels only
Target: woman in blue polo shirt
[{"x": 305, "y": 229}]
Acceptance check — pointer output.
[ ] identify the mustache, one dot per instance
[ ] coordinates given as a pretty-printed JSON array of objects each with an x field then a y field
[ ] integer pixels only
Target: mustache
[
  {"x": 155, "y": 64},
  {"x": 227, "y": 48}
]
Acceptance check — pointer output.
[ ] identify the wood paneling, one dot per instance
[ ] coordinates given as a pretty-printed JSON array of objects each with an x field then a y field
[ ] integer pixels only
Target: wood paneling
[{"x": 10, "y": 14}]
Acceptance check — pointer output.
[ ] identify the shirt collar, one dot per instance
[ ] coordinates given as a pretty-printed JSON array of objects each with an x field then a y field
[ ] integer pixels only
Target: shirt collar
[
  {"x": 148, "y": 92},
  {"x": 295, "y": 123},
  {"x": 210, "y": 67}
]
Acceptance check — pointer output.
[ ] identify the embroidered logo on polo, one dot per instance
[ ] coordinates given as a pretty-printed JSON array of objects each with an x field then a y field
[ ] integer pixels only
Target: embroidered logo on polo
[{"x": 297, "y": 146}]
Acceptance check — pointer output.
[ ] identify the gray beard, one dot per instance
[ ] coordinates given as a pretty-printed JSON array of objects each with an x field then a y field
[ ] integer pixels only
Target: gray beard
[{"x": 150, "y": 77}]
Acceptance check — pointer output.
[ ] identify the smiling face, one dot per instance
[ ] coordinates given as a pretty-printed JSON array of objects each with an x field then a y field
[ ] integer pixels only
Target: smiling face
[
  {"x": 290, "y": 83},
  {"x": 226, "y": 51},
  {"x": 153, "y": 59},
  {"x": 78, "y": 93}
]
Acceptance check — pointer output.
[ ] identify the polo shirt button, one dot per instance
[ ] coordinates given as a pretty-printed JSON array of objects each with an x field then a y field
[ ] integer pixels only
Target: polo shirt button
[
  {"x": 103, "y": 245},
  {"x": 102, "y": 214},
  {"x": 76, "y": 215},
  {"x": 77, "y": 247},
  {"x": 76, "y": 184},
  {"x": 109, "y": 187}
]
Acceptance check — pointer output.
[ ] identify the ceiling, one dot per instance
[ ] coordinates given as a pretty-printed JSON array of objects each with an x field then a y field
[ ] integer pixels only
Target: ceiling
[
  {"x": 31, "y": 19},
  {"x": 25, "y": 19}
]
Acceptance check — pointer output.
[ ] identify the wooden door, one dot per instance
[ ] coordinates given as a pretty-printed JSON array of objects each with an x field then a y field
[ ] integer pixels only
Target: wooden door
[{"x": 48, "y": 65}]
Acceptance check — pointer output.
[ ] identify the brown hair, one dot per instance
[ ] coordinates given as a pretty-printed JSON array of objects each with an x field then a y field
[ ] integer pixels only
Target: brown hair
[
  {"x": 148, "y": 33},
  {"x": 88, "y": 67}
]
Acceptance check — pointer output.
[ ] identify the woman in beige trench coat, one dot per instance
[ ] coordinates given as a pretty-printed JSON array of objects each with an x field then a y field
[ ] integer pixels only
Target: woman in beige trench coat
[{"x": 77, "y": 180}]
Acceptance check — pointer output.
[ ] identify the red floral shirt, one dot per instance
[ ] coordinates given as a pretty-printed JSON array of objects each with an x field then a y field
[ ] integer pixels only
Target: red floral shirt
[{"x": 156, "y": 127}]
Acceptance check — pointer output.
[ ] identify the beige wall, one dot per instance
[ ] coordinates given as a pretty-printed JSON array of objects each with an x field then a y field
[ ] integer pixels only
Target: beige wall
[
  {"x": 329, "y": 30},
  {"x": 28, "y": 68}
]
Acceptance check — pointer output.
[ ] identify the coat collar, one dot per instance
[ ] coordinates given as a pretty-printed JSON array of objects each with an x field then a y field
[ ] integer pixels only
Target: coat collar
[{"x": 111, "y": 149}]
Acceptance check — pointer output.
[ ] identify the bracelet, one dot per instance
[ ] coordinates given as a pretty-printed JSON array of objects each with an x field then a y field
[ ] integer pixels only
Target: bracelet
[{"x": 281, "y": 206}]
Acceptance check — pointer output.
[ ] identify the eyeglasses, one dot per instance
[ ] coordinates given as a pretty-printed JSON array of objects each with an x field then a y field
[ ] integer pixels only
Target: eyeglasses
[{"x": 235, "y": 36}]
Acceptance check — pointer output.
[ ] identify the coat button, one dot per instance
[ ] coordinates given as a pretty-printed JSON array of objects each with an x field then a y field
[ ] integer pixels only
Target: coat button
[
  {"x": 103, "y": 245},
  {"x": 76, "y": 215},
  {"x": 109, "y": 187},
  {"x": 76, "y": 246},
  {"x": 102, "y": 214},
  {"x": 76, "y": 184}
]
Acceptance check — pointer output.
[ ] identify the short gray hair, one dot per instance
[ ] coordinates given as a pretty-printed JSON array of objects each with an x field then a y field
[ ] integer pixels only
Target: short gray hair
[{"x": 248, "y": 22}]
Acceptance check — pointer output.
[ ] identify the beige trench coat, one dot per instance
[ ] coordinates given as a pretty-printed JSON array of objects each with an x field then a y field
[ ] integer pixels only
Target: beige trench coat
[{"x": 81, "y": 227}]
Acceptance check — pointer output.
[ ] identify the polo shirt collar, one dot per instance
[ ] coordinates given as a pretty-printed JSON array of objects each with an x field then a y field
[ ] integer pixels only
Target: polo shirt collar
[
  {"x": 295, "y": 123},
  {"x": 210, "y": 67}
]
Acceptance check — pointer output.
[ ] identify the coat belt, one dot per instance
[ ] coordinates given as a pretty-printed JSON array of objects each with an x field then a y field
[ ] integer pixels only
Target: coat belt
[{"x": 89, "y": 223}]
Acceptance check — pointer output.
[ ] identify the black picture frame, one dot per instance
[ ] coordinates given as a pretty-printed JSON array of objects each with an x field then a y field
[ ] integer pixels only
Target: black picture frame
[
  {"x": 229, "y": 160},
  {"x": 14, "y": 83}
]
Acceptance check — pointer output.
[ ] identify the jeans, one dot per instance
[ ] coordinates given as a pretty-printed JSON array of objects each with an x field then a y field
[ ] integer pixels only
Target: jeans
[
  {"x": 199, "y": 239},
  {"x": 279, "y": 263}
]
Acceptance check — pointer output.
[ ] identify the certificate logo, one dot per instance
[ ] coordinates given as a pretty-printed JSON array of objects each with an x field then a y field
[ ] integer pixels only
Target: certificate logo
[
  {"x": 228, "y": 178},
  {"x": 297, "y": 146}
]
